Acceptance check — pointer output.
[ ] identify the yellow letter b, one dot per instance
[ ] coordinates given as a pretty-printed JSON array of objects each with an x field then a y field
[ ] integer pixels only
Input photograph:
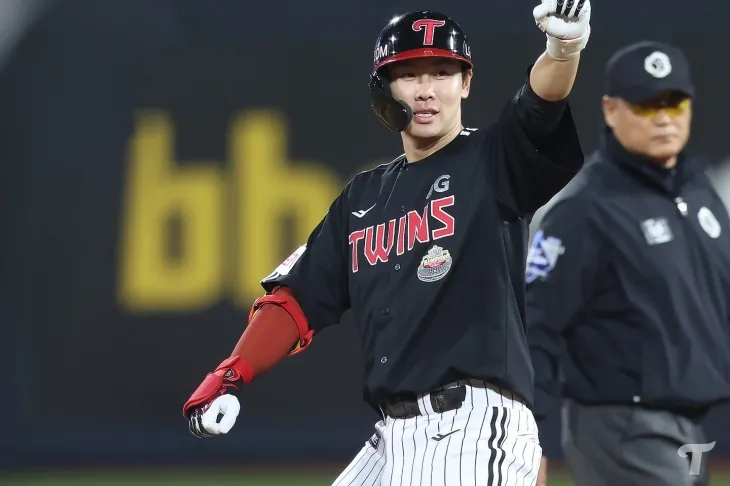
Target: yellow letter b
[
  {"x": 272, "y": 192},
  {"x": 171, "y": 254}
]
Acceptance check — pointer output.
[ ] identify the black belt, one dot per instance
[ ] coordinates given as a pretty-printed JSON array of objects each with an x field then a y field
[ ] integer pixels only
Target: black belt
[{"x": 441, "y": 401}]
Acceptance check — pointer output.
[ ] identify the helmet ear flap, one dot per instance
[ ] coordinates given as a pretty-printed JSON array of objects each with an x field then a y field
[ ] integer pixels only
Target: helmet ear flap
[{"x": 394, "y": 114}]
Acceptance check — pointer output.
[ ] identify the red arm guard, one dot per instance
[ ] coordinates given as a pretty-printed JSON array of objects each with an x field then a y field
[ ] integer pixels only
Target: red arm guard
[
  {"x": 274, "y": 332},
  {"x": 282, "y": 297}
]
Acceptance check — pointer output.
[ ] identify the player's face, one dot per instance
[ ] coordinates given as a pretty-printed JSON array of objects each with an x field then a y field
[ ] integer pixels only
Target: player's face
[
  {"x": 658, "y": 128},
  {"x": 433, "y": 88}
]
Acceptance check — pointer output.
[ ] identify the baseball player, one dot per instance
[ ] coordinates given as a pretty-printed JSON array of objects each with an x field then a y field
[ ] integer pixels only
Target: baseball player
[
  {"x": 628, "y": 284},
  {"x": 428, "y": 251}
]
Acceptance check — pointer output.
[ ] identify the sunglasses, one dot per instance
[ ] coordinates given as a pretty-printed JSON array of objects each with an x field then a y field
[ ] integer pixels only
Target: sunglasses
[{"x": 652, "y": 109}]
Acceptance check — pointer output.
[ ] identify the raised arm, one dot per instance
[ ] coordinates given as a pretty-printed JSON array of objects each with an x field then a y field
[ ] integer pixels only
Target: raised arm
[
  {"x": 535, "y": 151},
  {"x": 566, "y": 24}
]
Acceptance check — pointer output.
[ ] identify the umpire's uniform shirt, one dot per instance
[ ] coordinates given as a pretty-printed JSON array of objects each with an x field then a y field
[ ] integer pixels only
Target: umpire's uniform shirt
[{"x": 629, "y": 273}]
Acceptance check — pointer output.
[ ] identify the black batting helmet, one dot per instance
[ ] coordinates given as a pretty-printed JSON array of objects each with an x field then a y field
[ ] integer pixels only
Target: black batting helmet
[{"x": 409, "y": 36}]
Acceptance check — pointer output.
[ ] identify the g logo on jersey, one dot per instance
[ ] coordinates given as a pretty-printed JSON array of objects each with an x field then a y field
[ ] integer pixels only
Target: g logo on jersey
[
  {"x": 441, "y": 185},
  {"x": 542, "y": 256}
]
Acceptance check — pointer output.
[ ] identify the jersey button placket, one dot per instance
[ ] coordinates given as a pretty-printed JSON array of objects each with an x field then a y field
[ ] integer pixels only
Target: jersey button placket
[{"x": 385, "y": 311}]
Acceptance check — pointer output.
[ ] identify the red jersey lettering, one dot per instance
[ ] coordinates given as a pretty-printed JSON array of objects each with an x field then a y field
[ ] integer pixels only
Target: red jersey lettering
[
  {"x": 402, "y": 233},
  {"x": 417, "y": 228},
  {"x": 429, "y": 27},
  {"x": 379, "y": 251},
  {"x": 355, "y": 236},
  {"x": 437, "y": 211},
  {"x": 401, "y": 247}
]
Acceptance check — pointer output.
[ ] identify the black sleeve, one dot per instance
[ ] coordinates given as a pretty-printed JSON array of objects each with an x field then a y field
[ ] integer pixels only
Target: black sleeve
[
  {"x": 316, "y": 273},
  {"x": 562, "y": 270},
  {"x": 533, "y": 152}
]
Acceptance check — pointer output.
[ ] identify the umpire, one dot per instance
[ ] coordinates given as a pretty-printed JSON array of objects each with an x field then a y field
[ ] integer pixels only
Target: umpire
[{"x": 628, "y": 300}]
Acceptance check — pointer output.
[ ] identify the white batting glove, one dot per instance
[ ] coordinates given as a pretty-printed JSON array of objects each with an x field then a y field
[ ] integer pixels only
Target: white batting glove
[
  {"x": 566, "y": 24},
  {"x": 204, "y": 421}
]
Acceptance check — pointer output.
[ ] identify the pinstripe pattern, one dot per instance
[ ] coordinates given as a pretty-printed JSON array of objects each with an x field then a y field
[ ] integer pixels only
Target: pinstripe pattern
[
  {"x": 368, "y": 466},
  {"x": 492, "y": 440}
]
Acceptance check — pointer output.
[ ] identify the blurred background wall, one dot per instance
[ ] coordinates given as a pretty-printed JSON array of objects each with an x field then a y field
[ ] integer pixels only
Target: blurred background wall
[{"x": 160, "y": 156}]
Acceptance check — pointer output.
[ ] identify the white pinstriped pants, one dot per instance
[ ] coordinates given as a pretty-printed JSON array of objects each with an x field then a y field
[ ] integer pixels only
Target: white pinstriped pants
[{"x": 492, "y": 440}]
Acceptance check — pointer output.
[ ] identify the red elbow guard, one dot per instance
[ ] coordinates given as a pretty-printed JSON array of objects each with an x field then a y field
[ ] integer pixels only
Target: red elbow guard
[{"x": 283, "y": 298}]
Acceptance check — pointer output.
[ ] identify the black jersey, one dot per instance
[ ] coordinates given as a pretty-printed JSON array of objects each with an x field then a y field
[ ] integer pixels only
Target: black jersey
[{"x": 430, "y": 256}]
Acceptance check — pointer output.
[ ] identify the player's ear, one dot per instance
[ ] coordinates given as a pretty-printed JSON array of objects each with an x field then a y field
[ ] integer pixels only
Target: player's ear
[
  {"x": 608, "y": 105},
  {"x": 466, "y": 76}
]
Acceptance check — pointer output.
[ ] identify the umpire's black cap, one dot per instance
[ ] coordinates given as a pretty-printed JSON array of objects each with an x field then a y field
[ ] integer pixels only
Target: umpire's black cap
[{"x": 640, "y": 71}]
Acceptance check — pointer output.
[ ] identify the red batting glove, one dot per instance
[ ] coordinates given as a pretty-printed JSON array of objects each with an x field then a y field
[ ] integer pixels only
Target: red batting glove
[{"x": 227, "y": 379}]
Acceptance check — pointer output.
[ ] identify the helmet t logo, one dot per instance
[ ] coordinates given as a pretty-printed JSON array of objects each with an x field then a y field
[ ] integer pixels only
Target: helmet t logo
[{"x": 428, "y": 26}]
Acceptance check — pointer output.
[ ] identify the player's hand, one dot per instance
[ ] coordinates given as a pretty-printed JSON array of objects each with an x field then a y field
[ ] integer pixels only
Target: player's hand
[
  {"x": 542, "y": 474},
  {"x": 212, "y": 409},
  {"x": 564, "y": 19},
  {"x": 215, "y": 418},
  {"x": 566, "y": 24}
]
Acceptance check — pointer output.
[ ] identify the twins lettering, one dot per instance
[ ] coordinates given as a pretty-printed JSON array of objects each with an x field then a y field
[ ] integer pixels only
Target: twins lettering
[{"x": 403, "y": 234}]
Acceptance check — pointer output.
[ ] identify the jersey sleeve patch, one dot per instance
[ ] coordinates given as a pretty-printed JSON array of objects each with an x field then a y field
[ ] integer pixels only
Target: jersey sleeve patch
[
  {"x": 542, "y": 256},
  {"x": 285, "y": 267}
]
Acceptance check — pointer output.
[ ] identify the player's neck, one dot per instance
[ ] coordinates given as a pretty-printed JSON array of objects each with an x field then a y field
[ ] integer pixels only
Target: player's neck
[{"x": 419, "y": 148}]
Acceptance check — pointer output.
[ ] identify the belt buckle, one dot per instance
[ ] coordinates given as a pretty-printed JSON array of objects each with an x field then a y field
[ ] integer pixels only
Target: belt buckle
[
  {"x": 455, "y": 395},
  {"x": 437, "y": 402}
]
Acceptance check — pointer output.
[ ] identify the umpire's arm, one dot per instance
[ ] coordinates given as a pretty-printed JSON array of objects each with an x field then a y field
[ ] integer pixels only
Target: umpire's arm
[{"x": 562, "y": 271}]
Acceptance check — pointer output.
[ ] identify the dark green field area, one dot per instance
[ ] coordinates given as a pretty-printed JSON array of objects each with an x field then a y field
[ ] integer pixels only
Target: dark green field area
[{"x": 271, "y": 477}]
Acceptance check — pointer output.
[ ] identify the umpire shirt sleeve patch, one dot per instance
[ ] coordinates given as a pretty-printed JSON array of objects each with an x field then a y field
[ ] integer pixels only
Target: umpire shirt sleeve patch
[
  {"x": 563, "y": 270},
  {"x": 542, "y": 256}
]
